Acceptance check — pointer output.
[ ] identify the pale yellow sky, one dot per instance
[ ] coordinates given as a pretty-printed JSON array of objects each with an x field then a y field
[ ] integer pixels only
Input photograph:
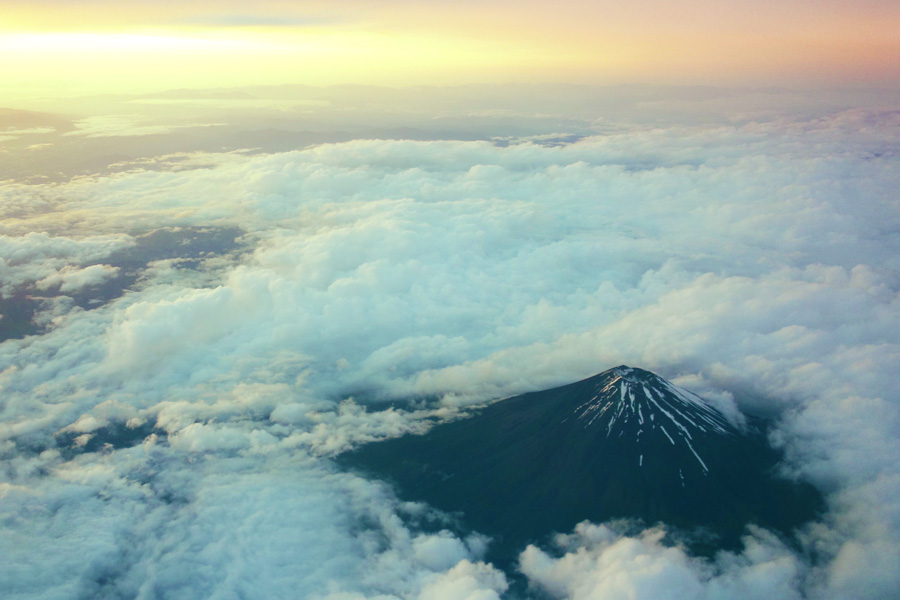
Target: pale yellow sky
[{"x": 53, "y": 47}]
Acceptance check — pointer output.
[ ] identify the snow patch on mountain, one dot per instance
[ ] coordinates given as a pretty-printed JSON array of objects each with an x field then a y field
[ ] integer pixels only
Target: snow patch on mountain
[{"x": 625, "y": 402}]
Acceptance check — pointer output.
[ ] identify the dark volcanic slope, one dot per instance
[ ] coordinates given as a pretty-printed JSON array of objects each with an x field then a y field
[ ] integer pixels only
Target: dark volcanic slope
[{"x": 625, "y": 443}]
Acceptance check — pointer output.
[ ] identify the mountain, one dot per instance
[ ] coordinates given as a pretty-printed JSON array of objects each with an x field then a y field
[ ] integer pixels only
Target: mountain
[{"x": 622, "y": 444}]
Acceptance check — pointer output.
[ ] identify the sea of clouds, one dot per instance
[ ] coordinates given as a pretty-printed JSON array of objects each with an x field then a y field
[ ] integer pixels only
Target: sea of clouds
[{"x": 757, "y": 265}]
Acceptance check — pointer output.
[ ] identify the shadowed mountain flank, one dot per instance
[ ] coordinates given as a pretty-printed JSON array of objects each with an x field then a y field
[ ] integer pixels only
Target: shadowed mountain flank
[{"x": 622, "y": 444}]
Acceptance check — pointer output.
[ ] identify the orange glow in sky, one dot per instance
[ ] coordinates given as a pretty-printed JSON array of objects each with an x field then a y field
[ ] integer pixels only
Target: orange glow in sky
[{"x": 98, "y": 46}]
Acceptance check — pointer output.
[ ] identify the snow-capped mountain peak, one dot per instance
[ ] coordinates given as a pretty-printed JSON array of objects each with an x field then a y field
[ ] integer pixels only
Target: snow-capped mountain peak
[
  {"x": 635, "y": 404},
  {"x": 624, "y": 443}
]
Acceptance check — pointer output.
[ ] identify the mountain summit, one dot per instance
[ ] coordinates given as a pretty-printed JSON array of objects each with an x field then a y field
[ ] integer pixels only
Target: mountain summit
[
  {"x": 637, "y": 406},
  {"x": 623, "y": 444}
]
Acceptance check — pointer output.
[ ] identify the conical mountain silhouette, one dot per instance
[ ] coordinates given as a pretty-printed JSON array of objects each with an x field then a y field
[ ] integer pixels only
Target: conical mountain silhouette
[{"x": 622, "y": 444}]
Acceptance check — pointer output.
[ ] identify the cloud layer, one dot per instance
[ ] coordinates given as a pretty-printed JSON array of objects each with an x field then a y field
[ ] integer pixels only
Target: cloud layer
[{"x": 757, "y": 265}]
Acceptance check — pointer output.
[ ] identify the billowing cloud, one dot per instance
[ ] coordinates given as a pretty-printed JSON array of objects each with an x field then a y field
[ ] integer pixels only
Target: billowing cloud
[
  {"x": 56, "y": 260},
  {"x": 466, "y": 581},
  {"x": 188, "y": 425},
  {"x": 70, "y": 279},
  {"x": 603, "y": 563}
]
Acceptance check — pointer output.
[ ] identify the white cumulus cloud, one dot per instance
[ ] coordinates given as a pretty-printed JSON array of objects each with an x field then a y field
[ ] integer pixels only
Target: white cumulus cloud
[{"x": 756, "y": 264}]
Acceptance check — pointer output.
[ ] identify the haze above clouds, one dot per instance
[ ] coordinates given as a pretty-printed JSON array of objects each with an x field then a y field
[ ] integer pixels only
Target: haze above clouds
[{"x": 175, "y": 441}]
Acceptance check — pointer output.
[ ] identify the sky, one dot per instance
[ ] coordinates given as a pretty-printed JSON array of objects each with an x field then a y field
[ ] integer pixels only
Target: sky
[
  {"x": 236, "y": 242},
  {"x": 98, "y": 46}
]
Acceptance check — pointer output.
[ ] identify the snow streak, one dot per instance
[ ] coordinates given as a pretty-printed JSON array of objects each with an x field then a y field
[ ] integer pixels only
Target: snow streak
[{"x": 633, "y": 393}]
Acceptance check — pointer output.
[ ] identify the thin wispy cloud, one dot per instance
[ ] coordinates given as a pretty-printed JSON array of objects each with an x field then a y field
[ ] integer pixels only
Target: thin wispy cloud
[{"x": 263, "y": 20}]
